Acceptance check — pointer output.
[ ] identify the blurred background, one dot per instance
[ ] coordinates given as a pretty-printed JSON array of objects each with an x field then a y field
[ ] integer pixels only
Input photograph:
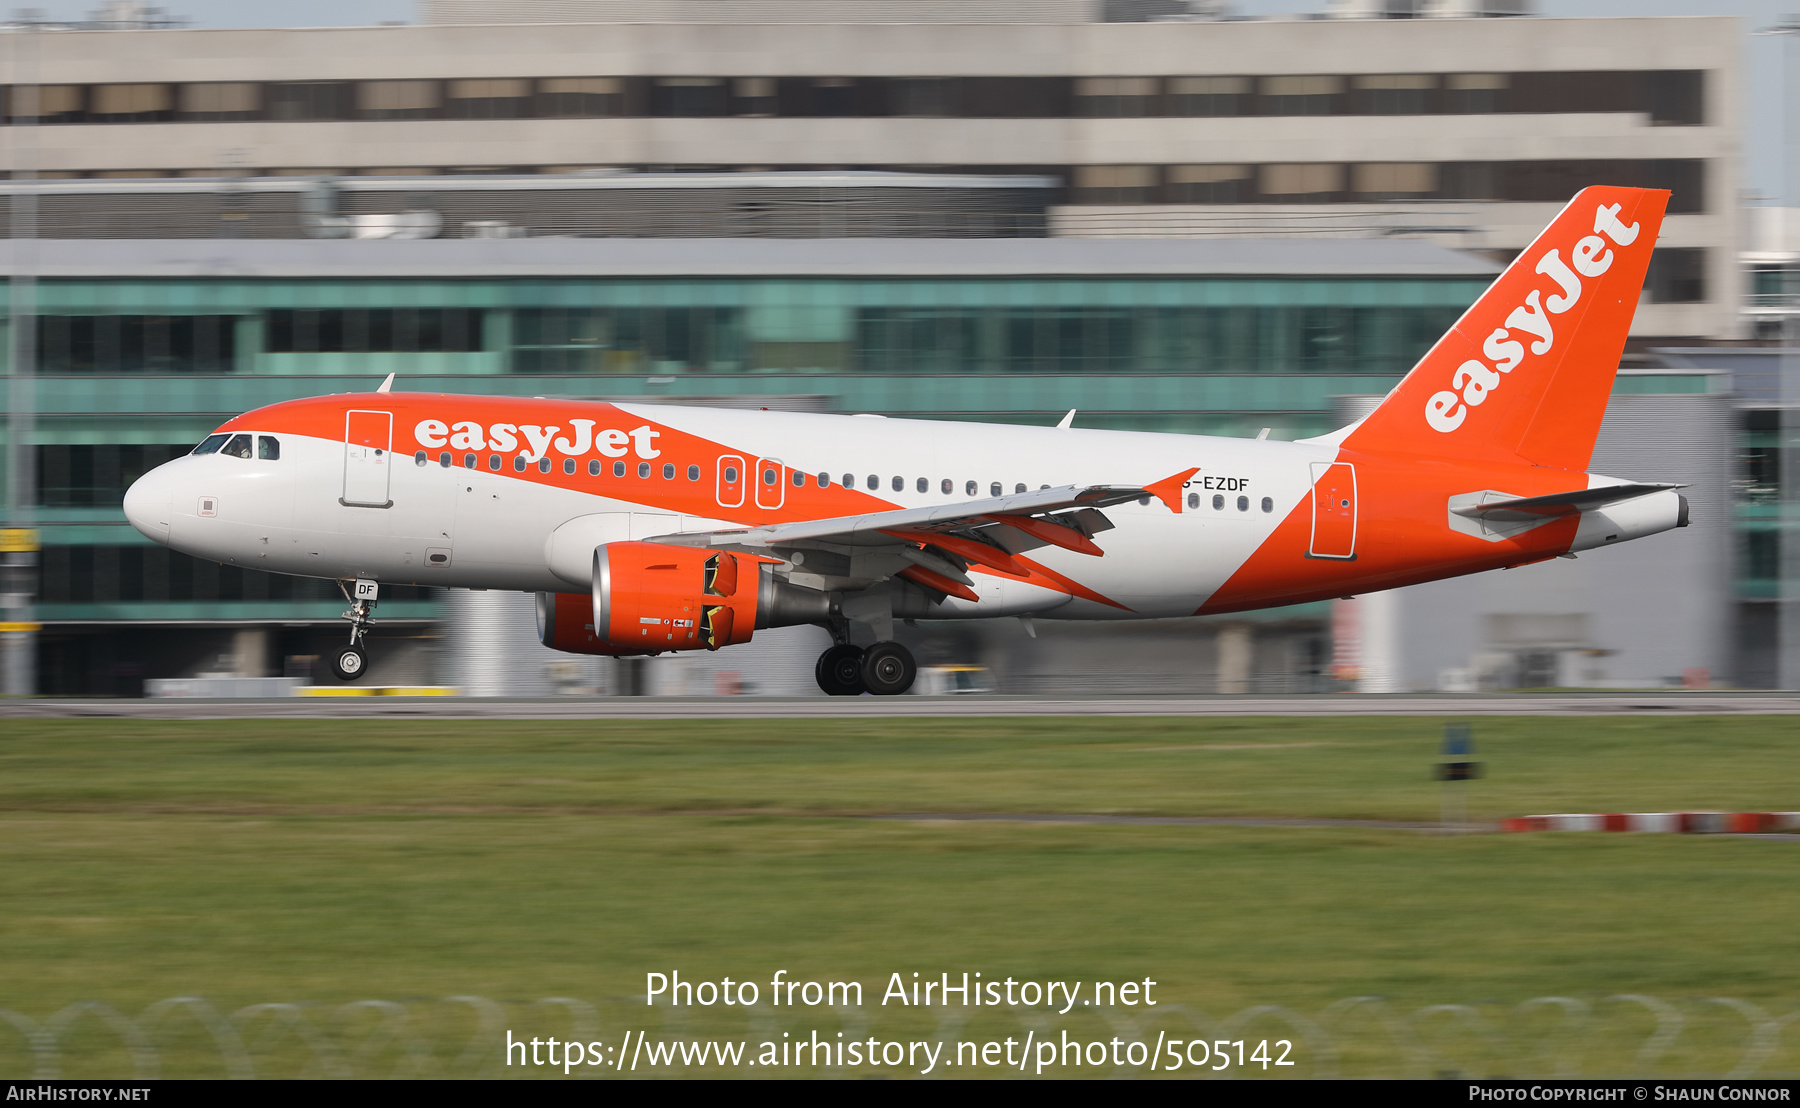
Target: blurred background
[{"x": 1172, "y": 215}]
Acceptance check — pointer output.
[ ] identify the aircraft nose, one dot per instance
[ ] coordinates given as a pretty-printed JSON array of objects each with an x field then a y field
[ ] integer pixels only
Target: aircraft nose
[{"x": 148, "y": 503}]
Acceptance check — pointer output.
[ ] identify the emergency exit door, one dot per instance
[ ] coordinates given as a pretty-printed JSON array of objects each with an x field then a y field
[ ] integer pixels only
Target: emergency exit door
[
  {"x": 1334, "y": 510},
  {"x": 368, "y": 458}
]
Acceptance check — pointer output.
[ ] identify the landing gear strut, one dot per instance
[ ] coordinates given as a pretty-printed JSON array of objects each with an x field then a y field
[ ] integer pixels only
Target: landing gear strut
[
  {"x": 885, "y": 669},
  {"x": 350, "y": 662}
]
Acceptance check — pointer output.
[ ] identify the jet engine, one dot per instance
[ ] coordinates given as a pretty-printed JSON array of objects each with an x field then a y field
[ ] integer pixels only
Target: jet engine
[{"x": 649, "y": 598}]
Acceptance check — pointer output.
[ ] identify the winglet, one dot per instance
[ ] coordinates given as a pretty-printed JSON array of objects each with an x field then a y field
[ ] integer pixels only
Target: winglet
[
  {"x": 1168, "y": 490},
  {"x": 1067, "y": 421},
  {"x": 387, "y": 385}
]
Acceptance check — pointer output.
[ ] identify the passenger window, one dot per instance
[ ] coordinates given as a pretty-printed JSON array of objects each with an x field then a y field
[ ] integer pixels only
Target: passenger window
[
  {"x": 947, "y": 486},
  {"x": 210, "y": 444},
  {"x": 668, "y": 471},
  {"x": 994, "y": 489},
  {"x": 1193, "y": 500},
  {"x": 969, "y": 489},
  {"x": 419, "y": 458},
  {"x": 874, "y": 482},
  {"x": 518, "y": 463},
  {"x": 1243, "y": 503},
  {"x": 238, "y": 447},
  {"x": 468, "y": 461},
  {"x": 1218, "y": 503},
  {"x": 799, "y": 479},
  {"x": 644, "y": 471},
  {"x": 568, "y": 465},
  {"x": 494, "y": 462},
  {"x": 444, "y": 459},
  {"x": 770, "y": 475},
  {"x": 824, "y": 480},
  {"x": 1019, "y": 488},
  {"x": 268, "y": 448},
  {"x": 594, "y": 467},
  {"x": 923, "y": 485},
  {"x": 899, "y": 484},
  {"x": 849, "y": 480},
  {"x": 543, "y": 465},
  {"x": 693, "y": 473},
  {"x": 1268, "y": 504}
]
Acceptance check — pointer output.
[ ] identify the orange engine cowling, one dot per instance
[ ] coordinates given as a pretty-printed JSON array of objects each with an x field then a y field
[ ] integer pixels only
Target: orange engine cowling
[{"x": 648, "y": 598}]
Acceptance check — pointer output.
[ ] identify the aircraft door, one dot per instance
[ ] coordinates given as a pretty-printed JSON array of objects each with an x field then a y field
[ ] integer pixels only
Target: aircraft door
[
  {"x": 770, "y": 491},
  {"x": 368, "y": 458},
  {"x": 1334, "y": 510},
  {"x": 731, "y": 481}
]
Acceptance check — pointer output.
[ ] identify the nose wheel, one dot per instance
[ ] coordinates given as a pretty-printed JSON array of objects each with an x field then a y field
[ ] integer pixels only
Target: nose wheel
[
  {"x": 349, "y": 662},
  {"x": 352, "y": 661}
]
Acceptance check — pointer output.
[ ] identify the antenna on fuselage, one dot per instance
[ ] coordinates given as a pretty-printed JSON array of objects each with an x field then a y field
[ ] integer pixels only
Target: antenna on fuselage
[
  {"x": 387, "y": 384},
  {"x": 1068, "y": 421}
]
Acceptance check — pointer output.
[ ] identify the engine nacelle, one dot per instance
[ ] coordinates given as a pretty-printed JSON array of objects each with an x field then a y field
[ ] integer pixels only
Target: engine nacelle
[{"x": 649, "y": 598}]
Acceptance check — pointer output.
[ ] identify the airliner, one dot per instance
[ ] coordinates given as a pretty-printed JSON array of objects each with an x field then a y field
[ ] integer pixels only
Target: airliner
[{"x": 646, "y": 528}]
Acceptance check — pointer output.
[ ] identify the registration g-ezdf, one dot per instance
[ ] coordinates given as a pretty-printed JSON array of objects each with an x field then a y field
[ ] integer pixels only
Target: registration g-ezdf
[{"x": 1221, "y": 1054}]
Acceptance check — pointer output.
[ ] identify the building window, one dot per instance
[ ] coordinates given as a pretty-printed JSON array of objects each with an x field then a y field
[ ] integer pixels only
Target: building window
[
  {"x": 97, "y": 476},
  {"x": 397, "y": 99},
  {"x": 130, "y": 104},
  {"x": 924, "y": 97},
  {"x": 372, "y": 330},
  {"x": 1677, "y": 275},
  {"x": 578, "y": 97},
  {"x": 1302, "y": 95},
  {"x": 1392, "y": 93},
  {"x": 303, "y": 100},
  {"x": 1675, "y": 97},
  {"x": 688, "y": 96},
  {"x": 114, "y": 344},
  {"x": 1114, "y": 184},
  {"x": 490, "y": 98},
  {"x": 55, "y": 104},
  {"x": 1115, "y": 97},
  {"x": 1209, "y": 96},
  {"x": 1210, "y": 184},
  {"x": 1473, "y": 93},
  {"x": 1304, "y": 183},
  {"x": 754, "y": 96},
  {"x": 220, "y": 101},
  {"x": 1394, "y": 180}
]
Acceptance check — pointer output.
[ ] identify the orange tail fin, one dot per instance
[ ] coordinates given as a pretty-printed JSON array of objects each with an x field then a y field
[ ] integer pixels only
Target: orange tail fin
[{"x": 1526, "y": 372}]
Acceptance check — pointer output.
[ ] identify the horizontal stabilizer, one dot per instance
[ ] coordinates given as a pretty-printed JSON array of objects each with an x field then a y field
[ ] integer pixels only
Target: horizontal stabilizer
[{"x": 1559, "y": 503}]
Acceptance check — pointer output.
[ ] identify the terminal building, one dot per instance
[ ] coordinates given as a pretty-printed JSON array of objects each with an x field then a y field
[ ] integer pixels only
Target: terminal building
[{"x": 1192, "y": 226}]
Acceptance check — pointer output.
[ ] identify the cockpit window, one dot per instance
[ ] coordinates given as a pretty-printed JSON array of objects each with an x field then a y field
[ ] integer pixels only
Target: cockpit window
[
  {"x": 268, "y": 448},
  {"x": 238, "y": 447},
  {"x": 211, "y": 444}
]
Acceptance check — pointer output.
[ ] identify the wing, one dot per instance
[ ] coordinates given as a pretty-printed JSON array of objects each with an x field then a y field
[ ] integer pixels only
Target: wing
[{"x": 935, "y": 546}]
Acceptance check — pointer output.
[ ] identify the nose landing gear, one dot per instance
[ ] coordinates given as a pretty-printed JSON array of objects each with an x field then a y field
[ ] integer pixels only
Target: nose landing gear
[
  {"x": 352, "y": 661},
  {"x": 885, "y": 669}
]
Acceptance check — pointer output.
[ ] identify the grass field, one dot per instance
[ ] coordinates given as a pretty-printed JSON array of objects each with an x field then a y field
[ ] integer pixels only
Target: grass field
[{"x": 321, "y": 863}]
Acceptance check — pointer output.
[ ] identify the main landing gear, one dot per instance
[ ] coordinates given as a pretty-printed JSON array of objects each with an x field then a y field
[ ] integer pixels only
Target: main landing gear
[
  {"x": 352, "y": 661},
  {"x": 885, "y": 669}
]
